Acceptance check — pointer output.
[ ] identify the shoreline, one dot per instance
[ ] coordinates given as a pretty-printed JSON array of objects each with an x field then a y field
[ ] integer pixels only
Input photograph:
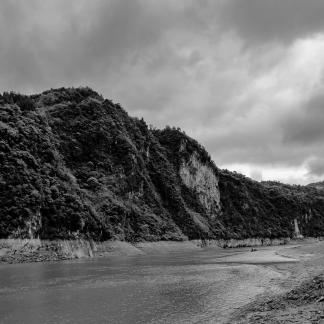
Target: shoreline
[
  {"x": 303, "y": 304},
  {"x": 301, "y": 299},
  {"x": 36, "y": 250}
]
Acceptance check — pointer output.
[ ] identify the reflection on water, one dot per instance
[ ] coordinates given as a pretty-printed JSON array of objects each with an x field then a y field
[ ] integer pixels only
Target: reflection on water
[{"x": 175, "y": 288}]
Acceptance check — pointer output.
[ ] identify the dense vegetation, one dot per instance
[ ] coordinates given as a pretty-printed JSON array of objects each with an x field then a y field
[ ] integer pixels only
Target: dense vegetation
[
  {"x": 317, "y": 185},
  {"x": 73, "y": 164},
  {"x": 269, "y": 208}
]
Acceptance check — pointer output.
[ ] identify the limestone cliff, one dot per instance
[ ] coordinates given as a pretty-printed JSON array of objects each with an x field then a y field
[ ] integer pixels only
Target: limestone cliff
[{"x": 202, "y": 179}]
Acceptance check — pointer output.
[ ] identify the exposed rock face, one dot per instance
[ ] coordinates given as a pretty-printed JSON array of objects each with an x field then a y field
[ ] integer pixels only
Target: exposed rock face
[
  {"x": 297, "y": 231},
  {"x": 74, "y": 165},
  {"x": 203, "y": 180}
]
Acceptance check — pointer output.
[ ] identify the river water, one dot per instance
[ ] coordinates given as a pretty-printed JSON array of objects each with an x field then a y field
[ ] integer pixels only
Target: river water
[{"x": 186, "y": 287}]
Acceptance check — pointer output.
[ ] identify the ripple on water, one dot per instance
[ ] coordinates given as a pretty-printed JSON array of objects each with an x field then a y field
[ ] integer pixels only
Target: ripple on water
[{"x": 135, "y": 290}]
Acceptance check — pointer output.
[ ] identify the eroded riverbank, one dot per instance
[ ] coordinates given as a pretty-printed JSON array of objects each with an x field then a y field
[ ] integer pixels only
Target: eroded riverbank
[{"x": 36, "y": 250}]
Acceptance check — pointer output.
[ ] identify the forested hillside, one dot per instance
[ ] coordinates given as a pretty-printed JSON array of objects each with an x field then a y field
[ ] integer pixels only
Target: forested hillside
[
  {"x": 317, "y": 185},
  {"x": 76, "y": 165}
]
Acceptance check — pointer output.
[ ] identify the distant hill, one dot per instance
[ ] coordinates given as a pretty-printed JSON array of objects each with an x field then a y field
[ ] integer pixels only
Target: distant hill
[
  {"x": 76, "y": 165},
  {"x": 317, "y": 185}
]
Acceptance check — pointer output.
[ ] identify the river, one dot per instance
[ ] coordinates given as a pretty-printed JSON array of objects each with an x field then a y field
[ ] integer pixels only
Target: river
[{"x": 181, "y": 287}]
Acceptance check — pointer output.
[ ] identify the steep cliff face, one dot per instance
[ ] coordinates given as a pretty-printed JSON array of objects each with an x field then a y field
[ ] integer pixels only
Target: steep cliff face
[
  {"x": 74, "y": 165},
  {"x": 202, "y": 179}
]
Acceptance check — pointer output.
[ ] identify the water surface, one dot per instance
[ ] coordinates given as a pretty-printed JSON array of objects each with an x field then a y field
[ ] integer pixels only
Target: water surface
[{"x": 187, "y": 287}]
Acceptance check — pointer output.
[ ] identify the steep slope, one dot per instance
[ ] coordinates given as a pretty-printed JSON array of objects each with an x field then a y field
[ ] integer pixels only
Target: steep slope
[{"x": 74, "y": 165}]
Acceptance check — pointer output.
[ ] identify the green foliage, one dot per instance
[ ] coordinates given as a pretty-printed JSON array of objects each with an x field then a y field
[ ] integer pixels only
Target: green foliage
[
  {"x": 75, "y": 165},
  {"x": 24, "y": 102},
  {"x": 268, "y": 209}
]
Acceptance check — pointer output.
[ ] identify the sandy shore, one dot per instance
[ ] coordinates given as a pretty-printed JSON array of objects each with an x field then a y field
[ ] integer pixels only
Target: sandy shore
[{"x": 301, "y": 287}]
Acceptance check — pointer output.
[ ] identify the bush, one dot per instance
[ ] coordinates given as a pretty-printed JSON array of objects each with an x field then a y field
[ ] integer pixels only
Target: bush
[{"x": 24, "y": 102}]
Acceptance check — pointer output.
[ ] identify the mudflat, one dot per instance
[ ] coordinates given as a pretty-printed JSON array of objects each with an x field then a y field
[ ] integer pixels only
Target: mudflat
[{"x": 300, "y": 288}]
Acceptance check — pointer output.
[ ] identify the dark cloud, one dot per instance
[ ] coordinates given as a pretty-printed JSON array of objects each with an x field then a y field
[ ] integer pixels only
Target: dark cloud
[
  {"x": 305, "y": 124},
  {"x": 260, "y": 21},
  {"x": 100, "y": 39},
  {"x": 316, "y": 166},
  {"x": 295, "y": 140},
  {"x": 92, "y": 41},
  {"x": 182, "y": 63}
]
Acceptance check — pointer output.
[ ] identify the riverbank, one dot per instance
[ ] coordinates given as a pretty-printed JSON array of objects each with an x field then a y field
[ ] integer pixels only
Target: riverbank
[
  {"x": 302, "y": 298},
  {"x": 304, "y": 304},
  {"x": 36, "y": 250}
]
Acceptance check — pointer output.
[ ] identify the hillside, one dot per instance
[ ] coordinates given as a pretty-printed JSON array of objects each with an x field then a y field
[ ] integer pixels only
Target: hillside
[
  {"x": 317, "y": 185},
  {"x": 76, "y": 165}
]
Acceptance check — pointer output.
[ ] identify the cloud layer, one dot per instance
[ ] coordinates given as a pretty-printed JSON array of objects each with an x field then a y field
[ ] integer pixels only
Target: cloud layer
[{"x": 244, "y": 77}]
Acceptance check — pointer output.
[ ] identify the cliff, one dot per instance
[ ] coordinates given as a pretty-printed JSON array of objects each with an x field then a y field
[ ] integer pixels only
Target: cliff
[{"x": 74, "y": 165}]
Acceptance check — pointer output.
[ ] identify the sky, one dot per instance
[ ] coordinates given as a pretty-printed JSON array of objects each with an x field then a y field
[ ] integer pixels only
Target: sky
[{"x": 243, "y": 77}]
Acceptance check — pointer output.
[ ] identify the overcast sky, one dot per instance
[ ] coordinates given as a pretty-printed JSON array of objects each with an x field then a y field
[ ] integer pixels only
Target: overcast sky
[{"x": 244, "y": 77}]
